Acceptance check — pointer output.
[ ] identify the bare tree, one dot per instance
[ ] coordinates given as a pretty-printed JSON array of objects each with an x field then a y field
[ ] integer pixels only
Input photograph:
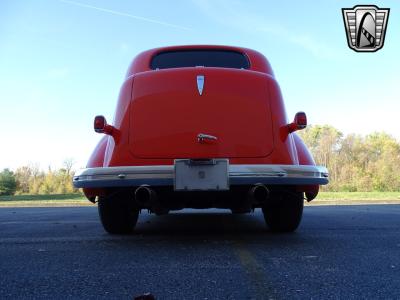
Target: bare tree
[{"x": 68, "y": 164}]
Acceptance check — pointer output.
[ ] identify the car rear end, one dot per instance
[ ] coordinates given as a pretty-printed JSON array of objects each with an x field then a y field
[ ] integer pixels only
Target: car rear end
[{"x": 205, "y": 129}]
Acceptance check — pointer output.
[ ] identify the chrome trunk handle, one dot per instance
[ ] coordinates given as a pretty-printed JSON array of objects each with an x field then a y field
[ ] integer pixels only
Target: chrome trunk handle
[{"x": 201, "y": 137}]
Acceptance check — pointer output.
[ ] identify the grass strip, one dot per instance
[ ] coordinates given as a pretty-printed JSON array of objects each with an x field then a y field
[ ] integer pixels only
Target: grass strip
[
  {"x": 349, "y": 196},
  {"x": 324, "y": 198}
]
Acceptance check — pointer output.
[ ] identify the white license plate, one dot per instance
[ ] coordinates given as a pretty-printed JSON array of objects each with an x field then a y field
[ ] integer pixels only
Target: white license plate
[{"x": 201, "y": 175}]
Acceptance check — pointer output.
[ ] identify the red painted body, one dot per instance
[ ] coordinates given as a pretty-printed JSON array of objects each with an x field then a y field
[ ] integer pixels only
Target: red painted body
[{"x": 160, "y": 112}]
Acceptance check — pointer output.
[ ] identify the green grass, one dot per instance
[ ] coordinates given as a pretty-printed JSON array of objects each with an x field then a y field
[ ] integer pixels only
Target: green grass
[
  {"x": 358, "y": 196},
  {"x": 42, "y": 197},
  {"x": 331, "y": 198},
  {"x": 44, "y": 200}
]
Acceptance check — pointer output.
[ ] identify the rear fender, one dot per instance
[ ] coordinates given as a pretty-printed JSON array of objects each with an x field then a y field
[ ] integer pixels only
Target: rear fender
[
  {"x": 96, "y": 160},
  {"x": 305, "y": 158},
  {"x": 304, "y": 155}
]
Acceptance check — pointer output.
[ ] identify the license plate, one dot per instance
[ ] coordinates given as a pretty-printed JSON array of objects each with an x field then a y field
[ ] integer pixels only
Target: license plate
[{"x": 201, "y": 175}]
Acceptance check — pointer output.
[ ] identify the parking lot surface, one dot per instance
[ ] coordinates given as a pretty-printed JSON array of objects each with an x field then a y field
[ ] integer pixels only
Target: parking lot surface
[{"x": 337, "y": 252}]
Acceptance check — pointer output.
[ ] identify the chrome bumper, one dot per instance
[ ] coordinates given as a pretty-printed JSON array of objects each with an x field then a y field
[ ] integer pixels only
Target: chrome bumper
[{"x": 164, "y": 175}]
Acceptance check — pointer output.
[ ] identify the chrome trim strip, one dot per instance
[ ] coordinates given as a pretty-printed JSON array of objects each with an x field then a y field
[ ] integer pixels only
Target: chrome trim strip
[{"x": 164, "y": 175}]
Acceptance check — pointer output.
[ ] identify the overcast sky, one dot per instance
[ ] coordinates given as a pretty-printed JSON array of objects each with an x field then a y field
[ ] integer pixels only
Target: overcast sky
[{"x": 63, "y": 62}]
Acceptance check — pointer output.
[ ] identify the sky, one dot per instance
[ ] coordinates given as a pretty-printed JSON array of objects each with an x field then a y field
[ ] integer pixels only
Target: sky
[{"x": 62, "y": 62}]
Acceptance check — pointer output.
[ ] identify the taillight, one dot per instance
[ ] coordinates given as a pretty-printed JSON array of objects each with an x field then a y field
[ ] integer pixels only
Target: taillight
[
  {"x": 99, "y": 124},
  {"x": 299, "y": 122}
]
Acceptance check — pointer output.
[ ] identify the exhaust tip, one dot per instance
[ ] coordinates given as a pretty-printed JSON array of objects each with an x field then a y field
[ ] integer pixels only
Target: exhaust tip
[
  {"x": 259, "y": 192},
  {"x": 144, "y": 195}
]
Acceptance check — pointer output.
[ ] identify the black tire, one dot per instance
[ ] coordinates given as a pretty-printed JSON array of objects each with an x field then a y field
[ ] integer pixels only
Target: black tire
[
  {"x": 118, "y": 213},
  {"x": 283, "y": 212}
]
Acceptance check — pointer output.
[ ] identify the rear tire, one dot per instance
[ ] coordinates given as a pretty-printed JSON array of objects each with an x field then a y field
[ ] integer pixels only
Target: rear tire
[
  {"x": 283, "y": 212},
  {"x": 118, "y": 213}
]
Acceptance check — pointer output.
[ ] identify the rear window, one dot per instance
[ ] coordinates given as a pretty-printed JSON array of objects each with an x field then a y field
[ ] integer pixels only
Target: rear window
[{"x": 205, "y": 58}]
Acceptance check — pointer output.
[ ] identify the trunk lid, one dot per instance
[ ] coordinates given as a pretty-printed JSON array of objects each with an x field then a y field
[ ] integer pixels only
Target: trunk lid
[{"x": 167, "y": 114}]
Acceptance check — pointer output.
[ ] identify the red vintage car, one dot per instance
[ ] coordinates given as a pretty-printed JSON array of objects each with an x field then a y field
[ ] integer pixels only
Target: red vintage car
[{"x": 200, "y": 127}]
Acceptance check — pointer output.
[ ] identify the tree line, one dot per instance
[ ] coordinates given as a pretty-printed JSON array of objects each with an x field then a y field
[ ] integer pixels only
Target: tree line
[
  {"x": 33, "y": 181},
  {"x": 355, "y": 163}
]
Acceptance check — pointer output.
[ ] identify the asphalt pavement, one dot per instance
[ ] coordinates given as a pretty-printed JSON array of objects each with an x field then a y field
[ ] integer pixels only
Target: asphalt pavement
[{"x": 338, "y": 252}]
